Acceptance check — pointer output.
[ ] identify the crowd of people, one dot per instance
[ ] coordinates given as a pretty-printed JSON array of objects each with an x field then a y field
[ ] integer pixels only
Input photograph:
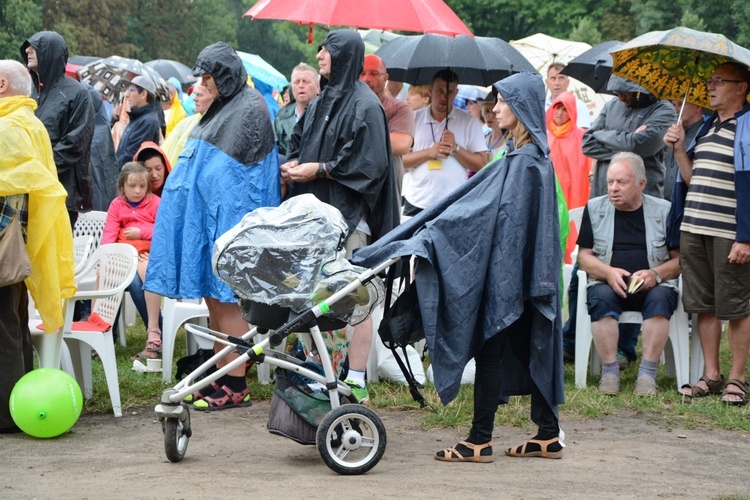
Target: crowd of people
[{"x": 475, "y": 194}]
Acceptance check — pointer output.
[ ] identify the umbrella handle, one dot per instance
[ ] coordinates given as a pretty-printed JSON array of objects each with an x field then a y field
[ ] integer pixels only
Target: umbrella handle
[{"x": 687, "y": 91}]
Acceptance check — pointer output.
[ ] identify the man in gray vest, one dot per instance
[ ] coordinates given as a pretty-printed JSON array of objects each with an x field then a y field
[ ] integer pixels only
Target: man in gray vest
[{"x": 622, "y": 248}]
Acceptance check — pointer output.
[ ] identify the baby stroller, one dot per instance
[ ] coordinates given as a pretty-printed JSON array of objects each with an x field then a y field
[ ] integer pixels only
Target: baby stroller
[{"x": 286, "y": 266}]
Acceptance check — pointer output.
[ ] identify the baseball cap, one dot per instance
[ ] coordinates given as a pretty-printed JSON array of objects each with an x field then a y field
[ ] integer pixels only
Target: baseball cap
[{"x": 145, "y": 83}]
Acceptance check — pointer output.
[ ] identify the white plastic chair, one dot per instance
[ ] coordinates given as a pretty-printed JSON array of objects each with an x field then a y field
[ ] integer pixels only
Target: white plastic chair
[
  {"x": 676, "y": 352},
  {"x": 174, "y": 314},
  {"x": 83, "y": 246},
  {"x": 117, "y": 263}
]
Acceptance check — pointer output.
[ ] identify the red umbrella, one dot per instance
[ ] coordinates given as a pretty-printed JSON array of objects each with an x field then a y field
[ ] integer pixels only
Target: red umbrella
[{"x": 424, "y": 16}]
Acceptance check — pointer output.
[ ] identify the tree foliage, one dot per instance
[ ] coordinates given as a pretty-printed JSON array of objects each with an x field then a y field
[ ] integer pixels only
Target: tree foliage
[{"x": 179, "y": 29}]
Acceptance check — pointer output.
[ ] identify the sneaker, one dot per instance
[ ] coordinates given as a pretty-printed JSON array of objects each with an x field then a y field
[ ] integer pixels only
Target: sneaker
[
  {"x": 359, "y": 392},
  {"x": 622, "y": 360},
  {"x": 645, "y": 386},
  {"x": 609, "y": 384}
]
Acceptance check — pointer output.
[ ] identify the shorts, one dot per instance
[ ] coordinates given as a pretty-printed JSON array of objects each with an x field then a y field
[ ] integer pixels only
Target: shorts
[
  {"x": 710, "y": 284},
  {"x": 603, "y": 301}
]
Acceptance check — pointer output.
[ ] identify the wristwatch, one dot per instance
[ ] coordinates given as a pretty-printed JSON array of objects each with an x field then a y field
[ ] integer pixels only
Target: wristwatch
[
  {"x": 658, "y": 276},
  {"x": 458, "y": 148},
  {"x": 321, "y": 171}
]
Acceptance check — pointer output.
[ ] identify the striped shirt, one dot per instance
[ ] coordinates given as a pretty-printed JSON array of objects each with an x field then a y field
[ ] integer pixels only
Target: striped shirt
[{"x": 711, "y": 202}]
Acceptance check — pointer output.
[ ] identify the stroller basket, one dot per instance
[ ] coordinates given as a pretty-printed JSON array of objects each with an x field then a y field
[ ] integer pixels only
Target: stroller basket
[
  {"x": 296, "y": 409},
  {"x": 271, "y": 317}
]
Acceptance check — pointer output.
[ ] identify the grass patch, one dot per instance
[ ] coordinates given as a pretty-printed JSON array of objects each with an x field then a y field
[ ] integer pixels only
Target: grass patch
[{"x": 668, "y": 407}]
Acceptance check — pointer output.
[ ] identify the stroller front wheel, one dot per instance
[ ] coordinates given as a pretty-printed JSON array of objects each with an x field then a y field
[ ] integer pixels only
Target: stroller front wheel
[
  {"x": 176, "y": 436},
  {"x": 351, "y": 439}
]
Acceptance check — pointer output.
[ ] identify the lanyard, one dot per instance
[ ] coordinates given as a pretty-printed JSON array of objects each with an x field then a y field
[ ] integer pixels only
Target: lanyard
[
  {"x": 489, "y": 138},
  {"x": 432, "y": 131}
]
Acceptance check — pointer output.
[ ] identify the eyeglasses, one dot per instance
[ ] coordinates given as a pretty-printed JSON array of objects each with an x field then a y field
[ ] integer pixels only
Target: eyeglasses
[
  {"x": 719, "y": 82},
  {"x": 372, "y": 73},
  {"x": 132, "y": 89}
]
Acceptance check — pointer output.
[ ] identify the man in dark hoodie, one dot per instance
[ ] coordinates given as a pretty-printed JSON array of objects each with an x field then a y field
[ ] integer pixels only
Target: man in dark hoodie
[
  {"x": 144, "y": 120},
  {"x": 67, "y": 112},
  {"x": 340, "y": 152}
]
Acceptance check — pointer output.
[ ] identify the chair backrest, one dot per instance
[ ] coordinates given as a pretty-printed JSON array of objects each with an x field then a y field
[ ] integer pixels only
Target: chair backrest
[
  {"x": 83, "y": 246},
  {"x": 117, "y": 264},
  {"x": 91, "y": 224},
  {"x": 576, "y": 216}
]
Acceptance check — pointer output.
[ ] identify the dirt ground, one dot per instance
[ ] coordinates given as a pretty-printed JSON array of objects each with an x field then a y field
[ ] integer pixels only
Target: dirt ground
[{"x": 231, "y": 455}]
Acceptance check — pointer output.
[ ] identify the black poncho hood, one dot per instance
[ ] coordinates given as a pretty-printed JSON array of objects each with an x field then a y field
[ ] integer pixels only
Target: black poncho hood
[
  {"x": 51, "y": 56},
  {"x": 347, "y": 60},
  {"x": 237, "y": 122}
]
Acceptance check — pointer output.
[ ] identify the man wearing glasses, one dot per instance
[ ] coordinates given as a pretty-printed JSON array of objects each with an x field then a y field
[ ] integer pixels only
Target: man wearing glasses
[
  {"x": 144, "y": 121},
  {"x": 715, "y": 230}
]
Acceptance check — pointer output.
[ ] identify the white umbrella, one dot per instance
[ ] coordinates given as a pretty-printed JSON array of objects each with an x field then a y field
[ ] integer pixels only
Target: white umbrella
[{"x": 542, "y": 50}]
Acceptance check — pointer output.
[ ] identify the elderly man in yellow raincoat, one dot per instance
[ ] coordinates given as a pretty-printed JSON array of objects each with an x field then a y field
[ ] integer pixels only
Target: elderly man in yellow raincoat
[{"x": 29, "y": 188}]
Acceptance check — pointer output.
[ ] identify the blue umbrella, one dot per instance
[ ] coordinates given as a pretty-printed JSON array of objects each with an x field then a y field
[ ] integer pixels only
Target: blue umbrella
[{"x": 260, "y": 70}]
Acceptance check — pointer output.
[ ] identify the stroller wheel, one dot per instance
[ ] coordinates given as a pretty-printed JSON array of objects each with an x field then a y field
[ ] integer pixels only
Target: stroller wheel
[
  {"x": 176, "y": 436},
  {"x": 351, "y": 439}
]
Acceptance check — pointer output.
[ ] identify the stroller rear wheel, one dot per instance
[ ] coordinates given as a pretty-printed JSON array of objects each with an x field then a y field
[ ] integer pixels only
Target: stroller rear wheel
[
  {"x": 176, "y": 436},
  {"x": 351, "y": 439}
]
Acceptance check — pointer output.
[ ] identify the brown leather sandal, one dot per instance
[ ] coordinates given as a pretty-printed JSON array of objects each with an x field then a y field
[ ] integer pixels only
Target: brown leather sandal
[
  {"x": 694, "y": 391},
  {"x": 741, "y": 393},
  {"x": 520, "y": 451},
  {"x": 452, "y": 455}
]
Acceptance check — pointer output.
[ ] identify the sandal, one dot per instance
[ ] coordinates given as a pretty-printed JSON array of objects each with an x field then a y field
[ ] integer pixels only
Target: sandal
[
  {"x": 542, "y": 452},
  {"x": 741, "y": 393},
  {"x": 478, "y": 456},
  {"x": 219, "y": 401},
  {"x": 694, "y": 391},
  {"x": 198, "y": 395},
  {"x": 153, "y": 347}
]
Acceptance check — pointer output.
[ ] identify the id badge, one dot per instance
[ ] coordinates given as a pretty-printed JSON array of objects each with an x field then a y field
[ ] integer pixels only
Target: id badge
[{"x": 435, "y": 164}]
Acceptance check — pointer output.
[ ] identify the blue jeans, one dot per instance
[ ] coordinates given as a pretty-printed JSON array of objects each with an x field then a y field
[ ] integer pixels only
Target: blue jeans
[{"x": 628, "y": 331}]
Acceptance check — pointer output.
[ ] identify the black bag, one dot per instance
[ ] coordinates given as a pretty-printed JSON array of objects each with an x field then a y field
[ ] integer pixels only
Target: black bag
[
  {"x": 188, "y": 364},
  {"x": 402, "y": 323}
]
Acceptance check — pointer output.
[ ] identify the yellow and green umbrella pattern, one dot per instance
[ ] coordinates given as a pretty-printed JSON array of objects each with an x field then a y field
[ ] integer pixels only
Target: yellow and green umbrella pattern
[{"x": 675, "y": 62}]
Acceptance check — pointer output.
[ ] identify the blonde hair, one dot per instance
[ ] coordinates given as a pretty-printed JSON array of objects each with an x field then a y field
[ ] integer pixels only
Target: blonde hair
[
  {"x": 134, "y": 168},
  {"x": 422, "y": 90},
  {"x": 520, "y": 135}
]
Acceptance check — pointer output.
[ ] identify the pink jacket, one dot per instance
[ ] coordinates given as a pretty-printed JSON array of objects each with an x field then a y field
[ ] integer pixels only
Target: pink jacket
[{"x": 121, "y": 216}]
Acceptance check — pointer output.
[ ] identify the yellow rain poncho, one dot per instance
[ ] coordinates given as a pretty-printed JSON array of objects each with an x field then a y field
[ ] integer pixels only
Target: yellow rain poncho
[
  {"x": 176, "y": 140},
  {"x": 176, "y": 115},
  {"x": 26, "y": 166}
]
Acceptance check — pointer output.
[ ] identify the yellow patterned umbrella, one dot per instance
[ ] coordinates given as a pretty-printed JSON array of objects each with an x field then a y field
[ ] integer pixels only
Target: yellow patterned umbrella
[{"x": 675, "y": 64}]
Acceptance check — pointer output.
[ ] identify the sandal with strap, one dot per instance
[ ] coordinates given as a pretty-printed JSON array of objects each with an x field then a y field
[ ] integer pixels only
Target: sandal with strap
[
  {"x": 453, "y": 455},
  {"x": 152, "y": 351},
  {"x": 695, "y": 391},
  {"x": 543, "y": 451},
  {"x": 741, "y": 393},
  {"x": 198, "y": 395},
  {"x": 229, "y": 399}
]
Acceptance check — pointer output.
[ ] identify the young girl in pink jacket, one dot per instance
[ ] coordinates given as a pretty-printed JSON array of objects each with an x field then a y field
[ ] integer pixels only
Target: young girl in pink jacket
[{"x": 130, "y": 219}]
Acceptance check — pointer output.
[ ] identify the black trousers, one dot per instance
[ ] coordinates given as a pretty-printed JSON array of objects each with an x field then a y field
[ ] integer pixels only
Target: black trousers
[
  {"x": 16, "y": 350},
  {"x": 487, "y": 384}
]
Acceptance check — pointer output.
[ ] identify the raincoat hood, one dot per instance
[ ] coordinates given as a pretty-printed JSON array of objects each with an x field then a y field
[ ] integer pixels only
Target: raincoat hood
[
  {"x": 619, "y": 84},
  {"x": 225, "y": 66},
  {"x": 347, "y": 59},
  {"x": 152, "y": 145},
  {"x": 524, "y": 93},
  {"x": 237, "y": 122},
  {"x": 569, "y": 101},
  {"x": 51, "y": 56}
]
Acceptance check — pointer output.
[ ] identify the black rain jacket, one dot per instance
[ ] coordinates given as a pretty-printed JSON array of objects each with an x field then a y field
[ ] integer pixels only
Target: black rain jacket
[
  {"x": 67, "y": 112},
  {"x": 346, "y": 128}
]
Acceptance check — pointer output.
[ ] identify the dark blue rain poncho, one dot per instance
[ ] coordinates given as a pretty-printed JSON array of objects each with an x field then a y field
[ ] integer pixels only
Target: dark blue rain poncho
[
  {"x": 104, "y": 169},
  {"x": 483, "y": 252},
  {"x": 228, "y": 167}
]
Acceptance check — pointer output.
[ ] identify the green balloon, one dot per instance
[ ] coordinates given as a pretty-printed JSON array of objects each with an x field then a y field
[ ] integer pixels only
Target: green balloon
[{"x": 46, "y": 402}]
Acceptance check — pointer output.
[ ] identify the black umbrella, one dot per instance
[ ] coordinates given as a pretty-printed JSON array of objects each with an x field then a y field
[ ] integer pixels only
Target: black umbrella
[
  {"x": 112, "y": 75},
  {"x": 594, "y": 66},
  {"x": 168, "y": 68},
  {"x": 476, "y": 60}
]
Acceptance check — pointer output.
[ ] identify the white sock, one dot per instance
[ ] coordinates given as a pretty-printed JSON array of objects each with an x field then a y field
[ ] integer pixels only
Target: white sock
[{"x": 357, "y": 376}]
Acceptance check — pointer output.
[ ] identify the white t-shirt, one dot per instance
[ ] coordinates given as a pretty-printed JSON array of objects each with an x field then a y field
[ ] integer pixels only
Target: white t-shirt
[{"x": 423, "y": 186}]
